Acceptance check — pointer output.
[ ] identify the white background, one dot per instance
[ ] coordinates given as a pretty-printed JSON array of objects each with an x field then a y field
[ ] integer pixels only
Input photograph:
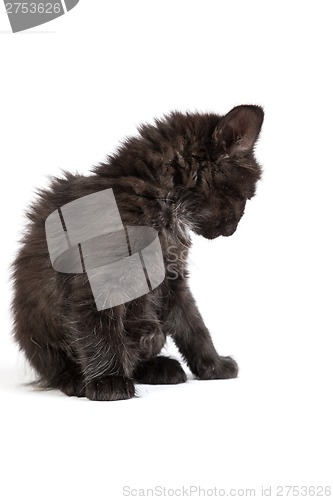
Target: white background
[{"x": 69, "y": 92}]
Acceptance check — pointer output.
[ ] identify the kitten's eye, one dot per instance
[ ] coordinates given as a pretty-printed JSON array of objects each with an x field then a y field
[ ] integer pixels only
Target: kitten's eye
[{"x": 241, "y": 197}]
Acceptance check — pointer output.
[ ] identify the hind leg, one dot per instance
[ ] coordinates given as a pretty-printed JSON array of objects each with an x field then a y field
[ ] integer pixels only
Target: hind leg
[
  {"x": 56, "y": 369},
  {"x": 71, "y": 382}
]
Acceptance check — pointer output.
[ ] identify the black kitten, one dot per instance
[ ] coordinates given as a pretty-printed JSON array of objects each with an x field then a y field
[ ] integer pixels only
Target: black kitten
[{"x": 188, "y": 171}]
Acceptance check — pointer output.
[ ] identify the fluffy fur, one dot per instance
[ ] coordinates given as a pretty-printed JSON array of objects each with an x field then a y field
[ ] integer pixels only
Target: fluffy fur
[{"x": 187, "y": 171}]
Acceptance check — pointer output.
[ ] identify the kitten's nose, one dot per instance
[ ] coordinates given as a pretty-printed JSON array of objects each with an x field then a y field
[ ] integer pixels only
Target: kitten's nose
[{"x": 229, "y": 230}]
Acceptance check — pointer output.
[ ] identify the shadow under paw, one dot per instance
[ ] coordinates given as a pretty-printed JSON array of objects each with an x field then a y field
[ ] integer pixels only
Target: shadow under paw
[{"x": 159, "y": 370}]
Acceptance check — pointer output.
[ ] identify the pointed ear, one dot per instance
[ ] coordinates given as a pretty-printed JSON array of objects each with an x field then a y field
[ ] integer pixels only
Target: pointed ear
[{"x": 238, "y": 130}]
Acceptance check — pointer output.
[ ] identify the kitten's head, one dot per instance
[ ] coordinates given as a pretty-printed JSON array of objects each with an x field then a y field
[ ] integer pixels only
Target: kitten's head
[{"x": 220, "y": 172}]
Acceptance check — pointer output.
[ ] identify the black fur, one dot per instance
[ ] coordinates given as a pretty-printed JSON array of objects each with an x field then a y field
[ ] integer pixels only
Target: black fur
[{"x": 187, "y": 171}]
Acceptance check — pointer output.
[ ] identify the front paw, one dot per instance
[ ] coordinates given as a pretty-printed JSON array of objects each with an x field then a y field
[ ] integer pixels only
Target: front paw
[
  {"x": 222, "y": 368},
  {"x": 112, "y": 388}
]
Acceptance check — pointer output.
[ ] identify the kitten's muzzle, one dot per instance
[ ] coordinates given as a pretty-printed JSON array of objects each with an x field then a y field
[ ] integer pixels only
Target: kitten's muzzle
[
  {"x": 229, "y": 230},
  {"x": 212, "y": 233}
]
